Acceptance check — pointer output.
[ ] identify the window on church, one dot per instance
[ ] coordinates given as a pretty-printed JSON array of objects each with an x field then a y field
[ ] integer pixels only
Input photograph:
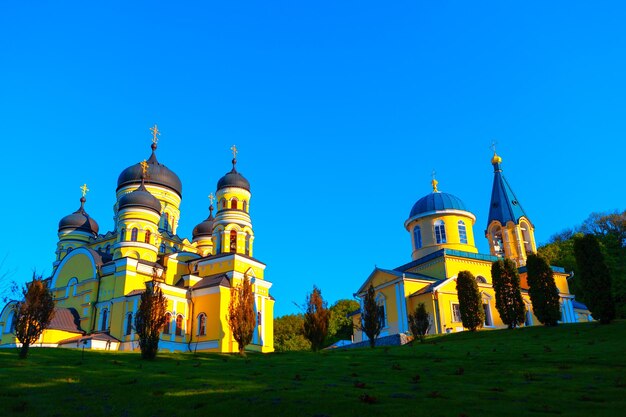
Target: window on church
[
  {"x": 481, "y": 280},
  {"x": 133, "y": 234},
  {"x": 166, "y": 222},
  {"x": 233, "y": 203},
  {"x": 245, "y": 206},
  {"x": 71, "y": 287},
  {"x": 233, "y": 241},
  {"x": 248, "y": 237},
  {"x": 462, "y": 232},
  {"x": 440, "y": 232},
  {"x": 456, "y": 313},
  {"x": 122, "y": 235},
  {"x": 223, "y": 203},
  {"x": 162, "y": 248},
  {"x": 168, "y": 323},
  {"x": 218, "y": 242},
  {"x": 129, "y": 323},
  {"x": 105, "y": 319},
  {"x": 380, "y": 302},
  {"x": 417, "y": 237},
  {"x": 179, "y": 325},
  {"x": 496, "y": 241},
  {"x": 148, "y": 235},
  {"x": 9, "y": 327},
  {"x": 526, "y": 236},
  {"x": 202, "y": 324}
]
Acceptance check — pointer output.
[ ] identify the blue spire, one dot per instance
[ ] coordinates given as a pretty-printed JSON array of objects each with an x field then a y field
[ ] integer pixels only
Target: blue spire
[{"x": 504, "y": 206}]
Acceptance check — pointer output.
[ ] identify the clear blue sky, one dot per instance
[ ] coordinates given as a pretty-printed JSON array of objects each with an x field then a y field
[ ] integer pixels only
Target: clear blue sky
[{"x": 340, "y": 110}]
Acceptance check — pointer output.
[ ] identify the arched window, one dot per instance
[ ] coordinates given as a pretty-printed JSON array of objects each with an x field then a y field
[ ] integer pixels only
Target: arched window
[
  {"x": 526, "y": 236},
  {"x": 233, "y": 241},
  {"x": 245, "y": 206},
  {"x": 202, "y": 324},
  {"x": 9, "y": 327},
  {"x": 223, "y": 203},
  {"x": 380, "y": 302},
  {"x": 417, "y": 237},
  {"x": 462, "y": 232},
  {"x": 162, "y": 248},
  {"x": 168, "y": 323},
  {"x": 122, "y": 235},
  {"x": 440, "y": 232},
  {"x": 105, "y": 319},
  {"x": 71, "y": 287},
  {"x": 129, "y": 323},
  {"x": 218, "y": 242},
  {"x": 133, "y": 234},
  {"x": 148, "y": 235},
  {"x": 166, "y": 222},
  {"x": 496, "y": 241},
  {"x": 481, "y": 280},
  {"x": 179, "y": 325},
  {"x": 248, "y": 238},
  {"x": 233, "y": 203}
]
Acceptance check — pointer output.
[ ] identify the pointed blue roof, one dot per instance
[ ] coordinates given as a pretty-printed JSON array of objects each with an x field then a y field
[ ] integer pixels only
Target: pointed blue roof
[{"x": 504, "y": 206}]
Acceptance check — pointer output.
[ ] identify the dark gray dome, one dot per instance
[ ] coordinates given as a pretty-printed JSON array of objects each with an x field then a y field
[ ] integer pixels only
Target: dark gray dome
[
  {"x": 233, "y": 179},
  {"x": 205, "y": 228},
  {"x": 80, "y": 220},
  {"x": 158, "y": 174},
  {"x": 140, "y": 198}
]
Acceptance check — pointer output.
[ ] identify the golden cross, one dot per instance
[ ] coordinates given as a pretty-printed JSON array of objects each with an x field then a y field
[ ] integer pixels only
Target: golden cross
[
  {"x": 434, "y": 182},
  {"x": 211, "y": 198},
  {"x": 493, "y": 146},
  {"x": 144, "y": 167},
  {"x": 84, "y": 189},
  {"x": 234, "y": 149},
  {"x": 155, "y": 133}
]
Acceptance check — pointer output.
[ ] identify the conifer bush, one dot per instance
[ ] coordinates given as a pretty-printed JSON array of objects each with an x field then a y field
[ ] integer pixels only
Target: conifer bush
[
  {"x": 150, "y": 319},
  {"x": 419, "y": 322},
  {"x": 595, "y": 278},
  {"x": 371, "y": 316},
  {"x": 506, "y": 285},
  {"x": 470, "y": 301},
  {"x": 543, "y": 291}
]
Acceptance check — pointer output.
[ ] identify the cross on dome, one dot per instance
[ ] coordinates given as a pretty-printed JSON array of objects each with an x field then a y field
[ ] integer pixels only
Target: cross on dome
[{"x": 84, "y": 189}]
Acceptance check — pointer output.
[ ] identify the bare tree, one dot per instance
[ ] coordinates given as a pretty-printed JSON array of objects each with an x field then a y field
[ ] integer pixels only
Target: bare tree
[{"x": 33, "y": 314}]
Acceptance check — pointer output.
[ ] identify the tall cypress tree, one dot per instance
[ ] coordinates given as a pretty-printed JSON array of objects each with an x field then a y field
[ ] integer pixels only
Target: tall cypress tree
[
  {"x": 595, "y": 278},
  {"x": 542, "y": 289},
  {"x": 371, "y": 316},
  {"x": 509, "y": 301},
  {"x": 470, "y": 301}
]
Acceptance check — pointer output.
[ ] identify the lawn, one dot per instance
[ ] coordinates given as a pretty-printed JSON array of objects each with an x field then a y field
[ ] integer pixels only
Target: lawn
[{"x": 572, "y": 370}]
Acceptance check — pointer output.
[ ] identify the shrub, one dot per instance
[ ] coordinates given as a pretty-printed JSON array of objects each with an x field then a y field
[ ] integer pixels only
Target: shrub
[
  {"x": 470, "y": 301},
  {"x": 542, "y": 289},
  {"x": 509, "y": 301}
]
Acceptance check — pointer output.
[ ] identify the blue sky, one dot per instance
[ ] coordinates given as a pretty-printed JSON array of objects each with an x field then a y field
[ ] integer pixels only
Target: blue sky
[{"x": 340, "y": 110}]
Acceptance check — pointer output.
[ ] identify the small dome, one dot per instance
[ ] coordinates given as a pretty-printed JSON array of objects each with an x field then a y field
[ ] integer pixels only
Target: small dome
[
  {"x": 79, "y": 220},
  {"x": 140, "y": 198},
  {"x": 496, "y": 159},
  {"x": 436, "y": 202},
  {"x": 158, "y": 174},
  {"x": 233, "y": 179},
  {"x": 205, "y": 228}
]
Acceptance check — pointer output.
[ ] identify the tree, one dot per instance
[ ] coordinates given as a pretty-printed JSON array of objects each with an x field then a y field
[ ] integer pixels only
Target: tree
[
  {"x": 595, "y": 278},
  {"x": 419, "y": 321},
  {"x": 33, "y": 314},
  {"x": 241, "y": 317},
  {"x": 509, "y": 301},
  {"x": 470, "y": 301},
  {"x": 340, "y": 326},
  {"x": 289, "y": 333},
  {"x": 316, "y": 319},
  {"x": 150, "y": 319},
  {"x": 372, "y": 316},
  {"x": 542, "y": 289}
]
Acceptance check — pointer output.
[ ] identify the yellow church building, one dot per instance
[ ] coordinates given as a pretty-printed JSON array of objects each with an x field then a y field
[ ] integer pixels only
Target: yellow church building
[
  {"x": 442, "y": 237},
  {"x": 98, "y": 278}
]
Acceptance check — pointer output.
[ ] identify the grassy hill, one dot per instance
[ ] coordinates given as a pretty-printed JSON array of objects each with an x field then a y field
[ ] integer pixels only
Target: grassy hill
[{"x": 573, "y": 370}]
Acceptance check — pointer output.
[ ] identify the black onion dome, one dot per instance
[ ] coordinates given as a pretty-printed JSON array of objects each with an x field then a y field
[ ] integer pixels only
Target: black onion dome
[
  {"x": 80, "y": 220},
  {"x": 140, "y": 198},
  {"x": 205, "y": 228},
  {"x": 158, "y": 174},
  {"x": 233, "y": 179}
]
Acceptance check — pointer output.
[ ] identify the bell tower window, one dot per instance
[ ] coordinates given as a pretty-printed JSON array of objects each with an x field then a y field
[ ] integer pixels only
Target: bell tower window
[
  {"x": 528, "y": 245},
  {"x": 496, "y": 241},
  {"x": 248, "y": 237},
  {"x": 233, "y": 241},
  {"x": 440, "y": 232},
  {"x": 233, "y": 204},
  {"x": 133, "y": 234},
  {"x": 148, "y": 235}
]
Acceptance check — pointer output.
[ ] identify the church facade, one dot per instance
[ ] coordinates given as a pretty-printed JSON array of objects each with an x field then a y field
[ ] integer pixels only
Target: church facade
[
  {"x": 442, "y": 238},
  {"x": 98, "y": 278}
]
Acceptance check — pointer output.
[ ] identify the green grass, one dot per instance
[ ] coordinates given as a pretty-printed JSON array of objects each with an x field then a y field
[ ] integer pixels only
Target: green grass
[{"x": 572, "y": 370}]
